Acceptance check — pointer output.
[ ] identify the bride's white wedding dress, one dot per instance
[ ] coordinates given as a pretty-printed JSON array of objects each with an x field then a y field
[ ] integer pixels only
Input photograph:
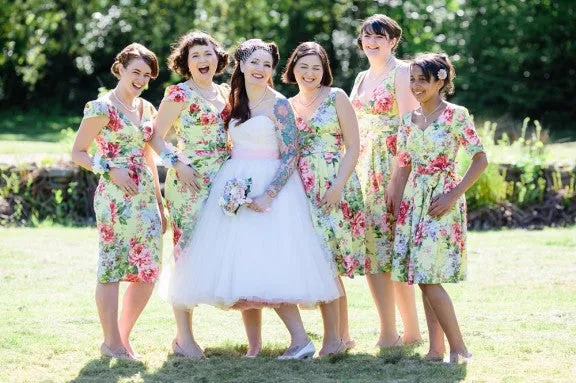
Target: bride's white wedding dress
[{"x": 254, "y": 259}]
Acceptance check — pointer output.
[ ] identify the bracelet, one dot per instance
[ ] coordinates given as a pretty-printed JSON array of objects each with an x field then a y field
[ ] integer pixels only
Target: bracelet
[
  {"x": 168, "y": 156},
  {"x": 101, "y": 166}
]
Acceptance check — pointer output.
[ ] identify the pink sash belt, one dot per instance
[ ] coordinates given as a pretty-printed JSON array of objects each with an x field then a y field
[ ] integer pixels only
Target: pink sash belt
[{"x": 245, "y": 154}]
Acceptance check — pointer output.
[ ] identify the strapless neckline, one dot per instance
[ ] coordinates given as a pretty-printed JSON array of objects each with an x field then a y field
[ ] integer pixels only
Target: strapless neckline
[{"x": 252, "y": 118}]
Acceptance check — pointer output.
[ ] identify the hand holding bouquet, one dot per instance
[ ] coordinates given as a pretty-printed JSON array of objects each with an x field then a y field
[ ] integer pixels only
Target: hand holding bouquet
[{"x": 235, "y": 195}]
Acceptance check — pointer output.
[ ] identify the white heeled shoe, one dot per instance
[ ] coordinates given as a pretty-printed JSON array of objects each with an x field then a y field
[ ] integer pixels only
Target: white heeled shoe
[
  {"x": 457, "y": 358},
  {"x": 299, "y": 352}
]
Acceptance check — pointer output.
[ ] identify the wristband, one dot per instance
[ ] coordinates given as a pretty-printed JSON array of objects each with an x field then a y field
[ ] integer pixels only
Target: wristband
[
  {"x": 169, "y": 156},
  {"x": 100, "y": 166}
]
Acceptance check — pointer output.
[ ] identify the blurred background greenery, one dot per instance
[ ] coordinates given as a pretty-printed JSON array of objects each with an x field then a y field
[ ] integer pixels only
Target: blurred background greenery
[{"x": 513, "y": 58}]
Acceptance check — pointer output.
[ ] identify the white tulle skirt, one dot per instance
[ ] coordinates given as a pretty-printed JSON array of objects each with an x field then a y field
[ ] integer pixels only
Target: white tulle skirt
[{"x": 253, "y": 259}]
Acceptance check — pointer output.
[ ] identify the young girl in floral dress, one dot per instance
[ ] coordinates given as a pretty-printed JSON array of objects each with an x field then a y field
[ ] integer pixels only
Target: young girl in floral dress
[
  {"x": 197, "y": 109},
  {"x": 430, "y": 236},
  {"x": 380, "y": 96},
  {"x": 329, "y": 145},
  {"x": 127, "y": 201}
]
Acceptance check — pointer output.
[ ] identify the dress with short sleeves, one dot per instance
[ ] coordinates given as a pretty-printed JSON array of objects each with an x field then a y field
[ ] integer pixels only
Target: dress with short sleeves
[
  {"x": 129, "y": 227},
  {"x": 202, "y": 139},
  {"x": 432, "y": 250}
]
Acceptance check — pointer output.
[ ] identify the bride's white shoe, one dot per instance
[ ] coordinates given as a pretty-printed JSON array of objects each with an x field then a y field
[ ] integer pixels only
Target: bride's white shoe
[{"x": 299, "y": 352}]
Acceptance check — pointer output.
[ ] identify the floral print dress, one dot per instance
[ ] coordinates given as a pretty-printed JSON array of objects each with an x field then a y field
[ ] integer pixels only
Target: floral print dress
[
  {"x": 343, "y": 229},
  {"x": 130, "y": 227},
  {"x": 432, "y": 250},
  {"x": 202, "y": 139},
  {"x": 378, "y": 123}
]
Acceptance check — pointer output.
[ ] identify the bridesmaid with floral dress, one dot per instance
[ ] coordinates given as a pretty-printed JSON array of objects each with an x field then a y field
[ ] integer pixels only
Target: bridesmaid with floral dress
[
  {"x": 380, "y": 96},
  {"x": 197, "y": 109},
  {"x": 127, "y": 201},
  {"x": 329, "y": 146},
  {"x": 430, "y": 241}
]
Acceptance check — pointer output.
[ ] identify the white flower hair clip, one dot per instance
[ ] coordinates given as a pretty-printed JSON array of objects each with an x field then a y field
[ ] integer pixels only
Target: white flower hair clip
[{"x": 442, "y": 74}]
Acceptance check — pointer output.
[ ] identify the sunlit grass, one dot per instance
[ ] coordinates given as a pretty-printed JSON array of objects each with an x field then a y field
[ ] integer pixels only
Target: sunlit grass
[{"x": 517, "y": 313}]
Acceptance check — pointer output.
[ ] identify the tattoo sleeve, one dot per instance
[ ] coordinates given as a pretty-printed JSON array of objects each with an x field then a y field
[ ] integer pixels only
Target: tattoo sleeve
[{"x": 286, "y": 133}]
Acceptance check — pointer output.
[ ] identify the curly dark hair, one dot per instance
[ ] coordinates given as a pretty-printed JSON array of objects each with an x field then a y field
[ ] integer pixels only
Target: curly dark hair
[
  {"x": 431, "y": 64},
  {"x": 239, "y": 102},
  {"x": 307, "y": 49},
  {"x": 178, "y": 59}
]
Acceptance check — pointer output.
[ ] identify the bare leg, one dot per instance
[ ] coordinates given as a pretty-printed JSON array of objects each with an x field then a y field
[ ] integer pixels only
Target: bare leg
[
  {"x": 253, "y": 325},
  {"x": 382, "y": 291},
  {"x": 437, "y": 347},
  {"x": 406, "y": 303},
  {"x": 135, "y": 299},
  {"x": 290, "y": 315},
  {"x": 107, "y": 304},
  {"x": 441, "y": 304},
  {"x": 185, "y": 342},
  {"x": 332, "y": 343},
  {"x": 343, "y": 317}
]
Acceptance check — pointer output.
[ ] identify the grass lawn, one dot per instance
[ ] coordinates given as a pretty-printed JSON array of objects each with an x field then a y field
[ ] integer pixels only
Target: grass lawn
[
  {"x": 517, "y": 312},
  {"x": 36, "y": 137}
]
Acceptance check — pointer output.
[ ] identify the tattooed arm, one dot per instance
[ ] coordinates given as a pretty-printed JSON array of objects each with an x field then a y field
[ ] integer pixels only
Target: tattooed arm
[{"x": 288, "y": 143}]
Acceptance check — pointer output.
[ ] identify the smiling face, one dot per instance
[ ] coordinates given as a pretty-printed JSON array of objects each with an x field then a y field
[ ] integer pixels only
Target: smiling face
[
  {"x": 308, "y": 72},
  {"x": 424, "y": 90},
  {"x": 377, "y": 45},
  {"x": 135, "y": 77},
  {"x": 257, "y": 68},
  {"x": 202, "y": 63}
]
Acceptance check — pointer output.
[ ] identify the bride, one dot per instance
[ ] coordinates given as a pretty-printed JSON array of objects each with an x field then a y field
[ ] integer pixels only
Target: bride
[{"x": 268, "y": 254}]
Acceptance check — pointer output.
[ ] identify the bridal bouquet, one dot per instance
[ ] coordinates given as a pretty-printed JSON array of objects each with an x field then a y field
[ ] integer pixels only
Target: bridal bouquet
[{"x": 235, "y": 195}]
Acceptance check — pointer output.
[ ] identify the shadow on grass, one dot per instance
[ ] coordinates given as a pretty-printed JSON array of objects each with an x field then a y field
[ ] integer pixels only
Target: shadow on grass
[
  {"x": 109, "y": 370},
  {"x": 226, "y": 364}
]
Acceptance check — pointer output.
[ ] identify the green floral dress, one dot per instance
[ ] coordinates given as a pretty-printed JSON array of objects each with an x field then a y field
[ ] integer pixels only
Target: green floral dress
[
  {"x": 321, "y": 147},
  {"x": 378, "y": 123},
  {"x": 432, "y": 250},
  {"x": 202, "y": 139},
  {"x": 130, "y": 227}
]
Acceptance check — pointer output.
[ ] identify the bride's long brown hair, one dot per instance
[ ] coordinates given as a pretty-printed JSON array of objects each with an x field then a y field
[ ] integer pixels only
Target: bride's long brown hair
[{"x": 239, "y": 102}]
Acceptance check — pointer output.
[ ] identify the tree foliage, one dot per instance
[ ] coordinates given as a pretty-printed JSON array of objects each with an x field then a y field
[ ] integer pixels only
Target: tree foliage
[{"x": 512, "y": 57}]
